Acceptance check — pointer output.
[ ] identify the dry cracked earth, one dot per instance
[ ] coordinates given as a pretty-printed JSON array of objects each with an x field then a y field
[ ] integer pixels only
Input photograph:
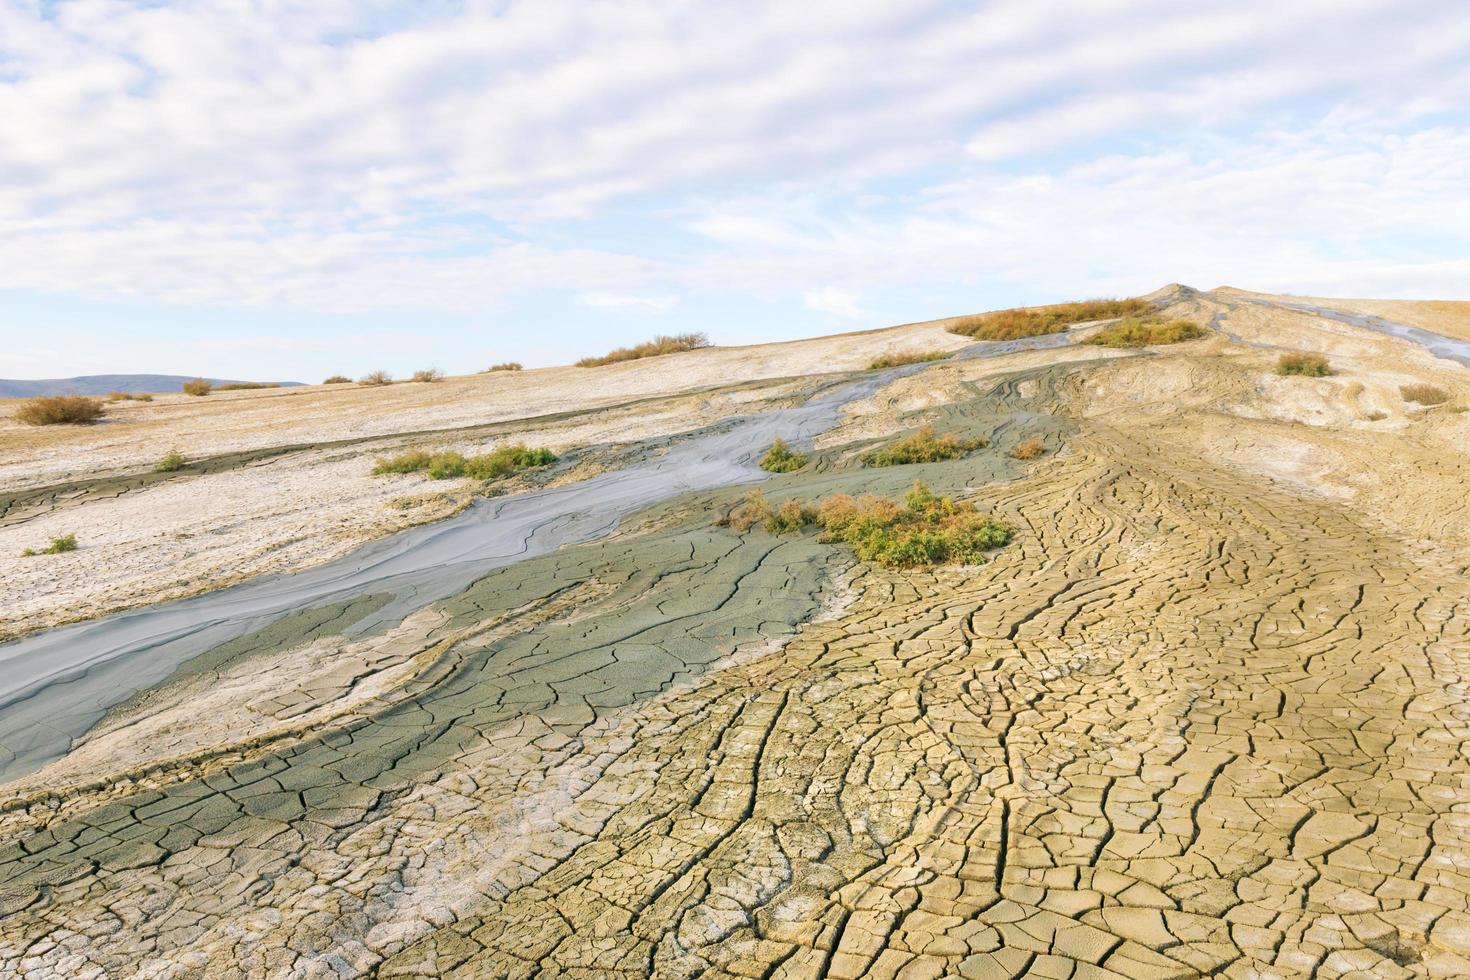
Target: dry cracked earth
[{"x": 1206, "y": 715}]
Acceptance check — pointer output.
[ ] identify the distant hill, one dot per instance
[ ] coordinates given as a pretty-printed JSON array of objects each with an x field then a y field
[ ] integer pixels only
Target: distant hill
[{"x": 101, "y": 384}]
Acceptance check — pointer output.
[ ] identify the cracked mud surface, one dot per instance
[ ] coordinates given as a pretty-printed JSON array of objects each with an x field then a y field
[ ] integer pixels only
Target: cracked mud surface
[{"x": 1200, "y": 718}]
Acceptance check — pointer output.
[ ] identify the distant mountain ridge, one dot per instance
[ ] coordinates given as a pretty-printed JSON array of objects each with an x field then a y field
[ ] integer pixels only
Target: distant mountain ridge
[{"x": 101, "y": 384}]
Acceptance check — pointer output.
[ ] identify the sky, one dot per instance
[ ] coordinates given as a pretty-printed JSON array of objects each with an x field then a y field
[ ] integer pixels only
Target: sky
[{"x": 274, "y": 189}]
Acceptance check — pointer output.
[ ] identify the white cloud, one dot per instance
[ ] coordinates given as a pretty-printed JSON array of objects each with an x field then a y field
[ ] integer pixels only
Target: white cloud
[
  {"x": 620, "y": 301},
  {"x": 830, "y": 299}
]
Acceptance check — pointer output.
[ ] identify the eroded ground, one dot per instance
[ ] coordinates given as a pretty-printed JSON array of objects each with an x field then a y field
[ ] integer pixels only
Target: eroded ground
[{"x": 1206, "y": 715}]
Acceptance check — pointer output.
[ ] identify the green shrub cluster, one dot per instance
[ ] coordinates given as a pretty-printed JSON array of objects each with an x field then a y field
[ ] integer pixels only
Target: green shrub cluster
[
  {"x": 66, "y": 542},
  {"x": 922, "y": 447},
  {"x": 450, "y": 465},
  {"x": 925, "y": 529},
  {"x": 1146, "y": 332},
  {"x": 172, "y": 462},
  {"x": 780, "y": 458},
  {"x": 900, "y": 358},
  {"x": 653, "y": 348},
  {"x": 1305, "y": 365},
  {"x": 1034, "y": 321}
]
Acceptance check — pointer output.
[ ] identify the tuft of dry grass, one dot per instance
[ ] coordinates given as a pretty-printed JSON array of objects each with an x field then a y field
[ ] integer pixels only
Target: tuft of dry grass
[
  {"x": 1146, "y": 332},
  {"x": 1036, "y": 320},
  {"x": 1303, "y": 365},
  {"x": 338, "y": 379},
  {"x": 127, "y": 396},
  {"x": 922, "y": 447},
  {"x": 197, "y": 387},
  {"x": 506, "y": 366},
  {"x": 60, "y": 410},
  {"x": 1030, "y": 449},
  {"x": 246, "y": 385},
  {"x": 780, "y": 458},
  {"x": 427, "y": 375},
  {"x": 900, "y": 358},
  {"x": 654, "y": 348},
  {"x": 1424, "y": 394},
  {"x": 375, "y": 379},
  {"x": 65, "y": 542}
]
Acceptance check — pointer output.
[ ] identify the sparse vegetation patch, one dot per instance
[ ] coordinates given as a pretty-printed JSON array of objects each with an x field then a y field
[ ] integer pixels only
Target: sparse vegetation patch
[
  {"x": 1034, "y": 321},
  {"x": 246, "y": 385},
  {"x": 654, "y": 348},
  {"x": 428, "y": 375},
  {"x": 375, "y": 379},
  {"x": 60, "y": 410},
  {"x": 64, "y": 542},
  {"x": 127, "y": 396},
  {"x": 1029, "y": 449},
  {"x": 506, "y": 366},
  {"x": 172, "y": 462},
  {"x": 1303, "y": 365},
  {"x": 1146, "y": 332},
  {"x": 900, "y": 358},
  {"x": 197, "y": 387},
  {"x": 450, "y": 465},
  {"x": 1424, "y": 394},
  {"x": 925, "y": 529},
  {"x": 338, "y": 379},
  {"x": 781, "y": 459},
  {"x": 922, "y": 447}
]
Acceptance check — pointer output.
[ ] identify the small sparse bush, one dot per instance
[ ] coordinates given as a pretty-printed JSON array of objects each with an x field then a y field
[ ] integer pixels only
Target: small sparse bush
[
  {"x": 791, "y": 516},
  {"x": 1146, "y": 332},
  {"x": 427, "y": 374},
  {"x": 198, "y": 387},
  {"x": 900, "y": 358},
  {"x": 246, "y": 385},
  {"x": 172, "y": 462},
  {"x": 1304, "y": 365},
  {"x": 60, "y": 410},
  {"x": 338, "y": 379},
  {"x": 450, "y": 465},
  {"x": 654, "y": 348},
  {"x": 65, "y": 542},
  {"x": 1030, "y": 449},
  {"x": 1424, "y": 394},
  {"x": 922, "y": 447},
  {"x": 376, "y": 379},
  {"x": 1034, "y": 321},
  {"x": 752, "y": 510},
  {"x": 781, "y": 459},
  {"x": 127, "y": 396},
  {"x": 507, "y": 366}
]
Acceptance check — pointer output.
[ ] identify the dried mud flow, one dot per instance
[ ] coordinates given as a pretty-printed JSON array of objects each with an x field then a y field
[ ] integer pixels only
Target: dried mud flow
[{"x": 1206, "y": 715}]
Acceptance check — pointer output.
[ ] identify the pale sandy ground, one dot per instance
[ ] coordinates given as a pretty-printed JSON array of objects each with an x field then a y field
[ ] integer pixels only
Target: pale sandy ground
[{"x": 190, "y": 535}]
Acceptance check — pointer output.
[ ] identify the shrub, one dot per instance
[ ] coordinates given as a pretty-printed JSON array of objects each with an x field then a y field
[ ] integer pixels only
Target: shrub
[
  {"x": 246, "y": 385},
  {"x": 791, "y": 516},
  {"x": 60, "y": 410},
  {"x": 197, "y": 387},
  {"x": 427, "y": 374},
  {"x": 65, "y": 542},
  {"x": 172, "y": 462},
  {"x": 1306, "y": 365},
  {"x": 1033, "y": 321},
  {"x": 507, "y": 366},
  {"x": 752, "y": 510},
  {"x": 780, "y": 458},
  {"x": 449, "y": 465},
  {"x": 1030, "y": 449},
  {"x": 1146, "y": 332},
  {"x": 653, "y": 348},
  {"x": 409, "y": 462},
  {"x": 338, "y": 379},
  {"x": 1424, "y": 394},
  {"x": 922, "y": 447},
  {"x": 127, "y": 396},
  {"x": 900, "y": 358},
  {"x": 376, "y": 379}
]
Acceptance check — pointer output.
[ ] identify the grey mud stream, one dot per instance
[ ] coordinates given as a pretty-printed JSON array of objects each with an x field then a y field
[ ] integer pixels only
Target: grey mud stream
[{"x": 55, "y": 685}]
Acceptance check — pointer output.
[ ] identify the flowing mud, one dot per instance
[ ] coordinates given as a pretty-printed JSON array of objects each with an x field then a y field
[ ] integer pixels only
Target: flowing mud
[{"x": 1205, "y": 716}]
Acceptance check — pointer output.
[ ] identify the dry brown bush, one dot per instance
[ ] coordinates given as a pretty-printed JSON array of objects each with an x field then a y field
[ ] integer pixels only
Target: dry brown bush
[
  {"x": 60, "y": 410},
  {"x": 655, "y": 347}
]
